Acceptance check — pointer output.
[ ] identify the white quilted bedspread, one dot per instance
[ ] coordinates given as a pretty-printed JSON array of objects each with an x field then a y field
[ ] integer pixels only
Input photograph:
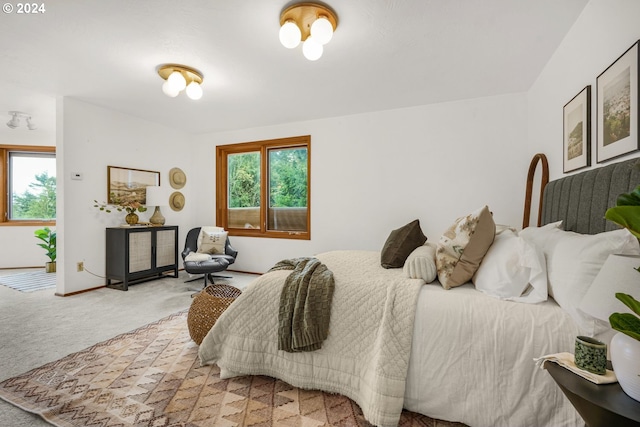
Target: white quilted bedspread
[{"x": 366, "y": 355}]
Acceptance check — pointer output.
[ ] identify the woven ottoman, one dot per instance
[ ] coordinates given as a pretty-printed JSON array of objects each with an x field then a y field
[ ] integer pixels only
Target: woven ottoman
[{"x": 206, "y": 307}]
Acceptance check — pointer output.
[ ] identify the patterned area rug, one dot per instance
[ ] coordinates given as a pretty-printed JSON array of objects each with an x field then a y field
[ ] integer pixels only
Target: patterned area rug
[
  {"x": 152, "y": 377},
  {"x": 29, "y": 282}
]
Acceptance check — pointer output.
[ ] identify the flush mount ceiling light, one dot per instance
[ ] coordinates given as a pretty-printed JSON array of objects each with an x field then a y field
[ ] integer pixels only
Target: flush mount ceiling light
[
  {"x": 311, "y": 23},
  {"x": 15, "y": 120},
  {"x": 179, "y": 78}
]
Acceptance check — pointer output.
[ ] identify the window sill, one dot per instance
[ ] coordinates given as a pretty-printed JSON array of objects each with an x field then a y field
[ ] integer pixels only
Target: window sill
[
  {"x": 293, "y": 235},
  {"x": 27, "y": 223}
]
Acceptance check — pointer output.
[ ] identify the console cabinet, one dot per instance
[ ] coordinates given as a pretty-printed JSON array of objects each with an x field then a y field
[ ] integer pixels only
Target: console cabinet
[{"x": 137, "y": 254}]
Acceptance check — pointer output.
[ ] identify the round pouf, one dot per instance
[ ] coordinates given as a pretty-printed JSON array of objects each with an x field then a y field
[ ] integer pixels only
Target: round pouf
[{"x": 206, "y": 307}]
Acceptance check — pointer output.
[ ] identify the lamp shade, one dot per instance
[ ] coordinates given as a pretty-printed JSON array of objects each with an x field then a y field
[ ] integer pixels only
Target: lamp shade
[
  {"x": 168, "y": 90},
  {"x": 311, "y": 49},
  {"x": 290, "y": 35},
  {"x": 618, "y": 274},
  {"x": 156, "y": 196},
  {"x": 322, "y": 30},
  {"x": 194, "y": 91},
  {"x": 177, "y": 81}
]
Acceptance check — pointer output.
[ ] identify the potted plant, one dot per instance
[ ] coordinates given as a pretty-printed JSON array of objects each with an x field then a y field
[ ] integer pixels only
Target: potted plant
[
  {"x": 625, "y": 345},
  {"x": 48, "y": 238},
  {"x": 120, "y": 205}
]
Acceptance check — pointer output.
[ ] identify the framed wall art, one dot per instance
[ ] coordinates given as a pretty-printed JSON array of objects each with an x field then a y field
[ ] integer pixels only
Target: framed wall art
[
  {"x": 576, "y": 125},
  {"x": 617, "y": 107},
  {"x": 125, "y": 185}
]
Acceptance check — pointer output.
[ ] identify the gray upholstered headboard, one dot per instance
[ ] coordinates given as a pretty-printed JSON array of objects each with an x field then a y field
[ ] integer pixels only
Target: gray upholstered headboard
[{"x": 581, "y": 200}]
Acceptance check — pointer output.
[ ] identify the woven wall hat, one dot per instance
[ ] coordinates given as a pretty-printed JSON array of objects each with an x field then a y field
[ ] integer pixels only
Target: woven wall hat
[
  {"x": 176, "y": 201},
  {"x": 177, "y": 178}
]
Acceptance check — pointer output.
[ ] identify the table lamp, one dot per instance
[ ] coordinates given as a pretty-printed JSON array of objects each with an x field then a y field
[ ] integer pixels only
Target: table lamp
[
  {"x": 156, "y": 197},
  {"x": 618, "y": 275}
]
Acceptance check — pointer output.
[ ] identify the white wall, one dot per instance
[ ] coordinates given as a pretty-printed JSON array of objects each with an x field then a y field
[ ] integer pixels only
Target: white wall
[
  {"x": 19, "y": 246},
  {"x": 374, "y": 172},
  {"x": 90, "y": 138},
  {"x": 604, "y": 30}
]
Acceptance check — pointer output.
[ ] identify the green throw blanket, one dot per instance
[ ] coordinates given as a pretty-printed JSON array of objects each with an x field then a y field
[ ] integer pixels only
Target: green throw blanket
[{"x": 305, "y": 304}]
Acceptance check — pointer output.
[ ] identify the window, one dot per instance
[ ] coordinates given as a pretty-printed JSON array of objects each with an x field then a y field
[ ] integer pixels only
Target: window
[
  {"x": 263, "y": 188},
  {"x": 28, "y": 185}
]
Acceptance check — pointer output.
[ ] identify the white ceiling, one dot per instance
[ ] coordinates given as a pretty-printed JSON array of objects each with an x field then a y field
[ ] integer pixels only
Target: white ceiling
[{"x": 385, "y": 54}]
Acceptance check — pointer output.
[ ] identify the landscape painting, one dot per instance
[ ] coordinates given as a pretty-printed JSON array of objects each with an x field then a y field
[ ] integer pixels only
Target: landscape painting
[
  {"x": 618, "y": 107},
  {"x": 577, "y": 131},
  {"x": 129, "y": 185}
]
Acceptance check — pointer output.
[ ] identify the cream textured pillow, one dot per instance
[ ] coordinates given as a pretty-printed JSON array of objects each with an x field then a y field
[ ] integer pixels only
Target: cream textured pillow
[
  {"x": 421, "y": 263},
  {"x": 462, "y": 247},
  {"x": 212, "y": 242}
]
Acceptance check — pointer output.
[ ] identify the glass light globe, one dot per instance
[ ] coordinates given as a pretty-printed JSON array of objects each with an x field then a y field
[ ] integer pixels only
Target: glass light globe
[
  {"x": 290, "y": 35},
  {"x": 166, "y": 88},
  {"x": 311, "y": 49},
  {"x": 177, "y": 81},
  {"x": 322, "y": 30},
  {"x": 194, "y": 91}
]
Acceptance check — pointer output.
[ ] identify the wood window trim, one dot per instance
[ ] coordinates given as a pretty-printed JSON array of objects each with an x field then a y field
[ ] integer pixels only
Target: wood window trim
[
  {"x": 222, "y": 151},
  {"x": 4, "y": 184}
]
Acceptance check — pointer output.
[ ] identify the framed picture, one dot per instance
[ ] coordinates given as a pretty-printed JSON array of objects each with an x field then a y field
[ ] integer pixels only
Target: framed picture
[
  {"x": 126, "y": 185},
  {"x": 617, "y": 111},
  {"x": 576, "y": 125}
]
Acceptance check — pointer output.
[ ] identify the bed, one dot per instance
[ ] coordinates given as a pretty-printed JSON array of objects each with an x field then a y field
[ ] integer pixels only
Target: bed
[{"x": 457, "y": 354}]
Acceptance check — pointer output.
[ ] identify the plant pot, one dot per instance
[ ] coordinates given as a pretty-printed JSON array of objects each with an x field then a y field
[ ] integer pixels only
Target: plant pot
[
  {"x": 625, "y": 357},
  {"x": 131, "y": 218},
  {"x": 50, "y": 267}
]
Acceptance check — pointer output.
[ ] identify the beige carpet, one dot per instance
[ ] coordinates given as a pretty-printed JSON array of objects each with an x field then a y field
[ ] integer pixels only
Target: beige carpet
[{"x": 151, "y": 377}]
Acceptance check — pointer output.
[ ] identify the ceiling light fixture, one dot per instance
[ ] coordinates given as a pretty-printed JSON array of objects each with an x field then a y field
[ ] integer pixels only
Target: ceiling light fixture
[
  {"x": 15, "y": 120},
  {"x": 180, "y": 77},
  {"x": 311, "y": 23}
]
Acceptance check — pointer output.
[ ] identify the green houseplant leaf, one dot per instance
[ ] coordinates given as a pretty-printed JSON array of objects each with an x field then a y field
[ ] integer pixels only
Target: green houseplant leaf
[
  {"x": 630, "y": 302},
  {"x": 48, "y": 236},
  {"x": 627, "y": 216},
  {"x": 627, "y": 323}
]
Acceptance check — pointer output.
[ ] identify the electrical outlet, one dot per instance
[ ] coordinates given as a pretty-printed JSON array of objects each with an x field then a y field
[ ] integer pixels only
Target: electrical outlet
[{"x": 81, "y": 266}]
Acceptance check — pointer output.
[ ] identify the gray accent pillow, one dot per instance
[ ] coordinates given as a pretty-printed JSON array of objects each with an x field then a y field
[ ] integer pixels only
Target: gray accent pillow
[{"x": 400, "y": 244}]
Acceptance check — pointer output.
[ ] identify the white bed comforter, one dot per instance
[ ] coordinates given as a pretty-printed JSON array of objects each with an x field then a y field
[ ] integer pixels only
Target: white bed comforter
[
  {"x": 469, "y": 356},
  {"x": 472, "y": 360},
  {"x": 366, "y": 354}
]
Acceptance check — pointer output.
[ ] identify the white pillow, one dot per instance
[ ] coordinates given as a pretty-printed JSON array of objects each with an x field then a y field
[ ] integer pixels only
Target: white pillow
[
  {"x": 544, "y": 238},
  {"x": 421, "y": 263},
  {"x": 573, "y": 262},
  {"x": 211, "y": 241},
  {"x": 513, "y": 269}
]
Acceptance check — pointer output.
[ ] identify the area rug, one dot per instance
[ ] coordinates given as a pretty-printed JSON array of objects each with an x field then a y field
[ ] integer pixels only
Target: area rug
[
  {"x": 152, "y": 377},
  {"x": 29, "y": 282}
]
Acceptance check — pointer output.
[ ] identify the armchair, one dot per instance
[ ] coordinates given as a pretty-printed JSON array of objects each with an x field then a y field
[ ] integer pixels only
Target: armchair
[{"x": 206, "y": 266}]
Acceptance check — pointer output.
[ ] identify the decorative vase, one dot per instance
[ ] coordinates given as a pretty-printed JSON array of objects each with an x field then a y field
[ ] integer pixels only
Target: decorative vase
[
  {"x": 131, "y": 218},
  {"x": 625, "y": 357}
]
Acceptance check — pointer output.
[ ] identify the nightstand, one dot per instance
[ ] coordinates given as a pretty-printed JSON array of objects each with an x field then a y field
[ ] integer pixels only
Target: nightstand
[{"x": 600, "y": 405}]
